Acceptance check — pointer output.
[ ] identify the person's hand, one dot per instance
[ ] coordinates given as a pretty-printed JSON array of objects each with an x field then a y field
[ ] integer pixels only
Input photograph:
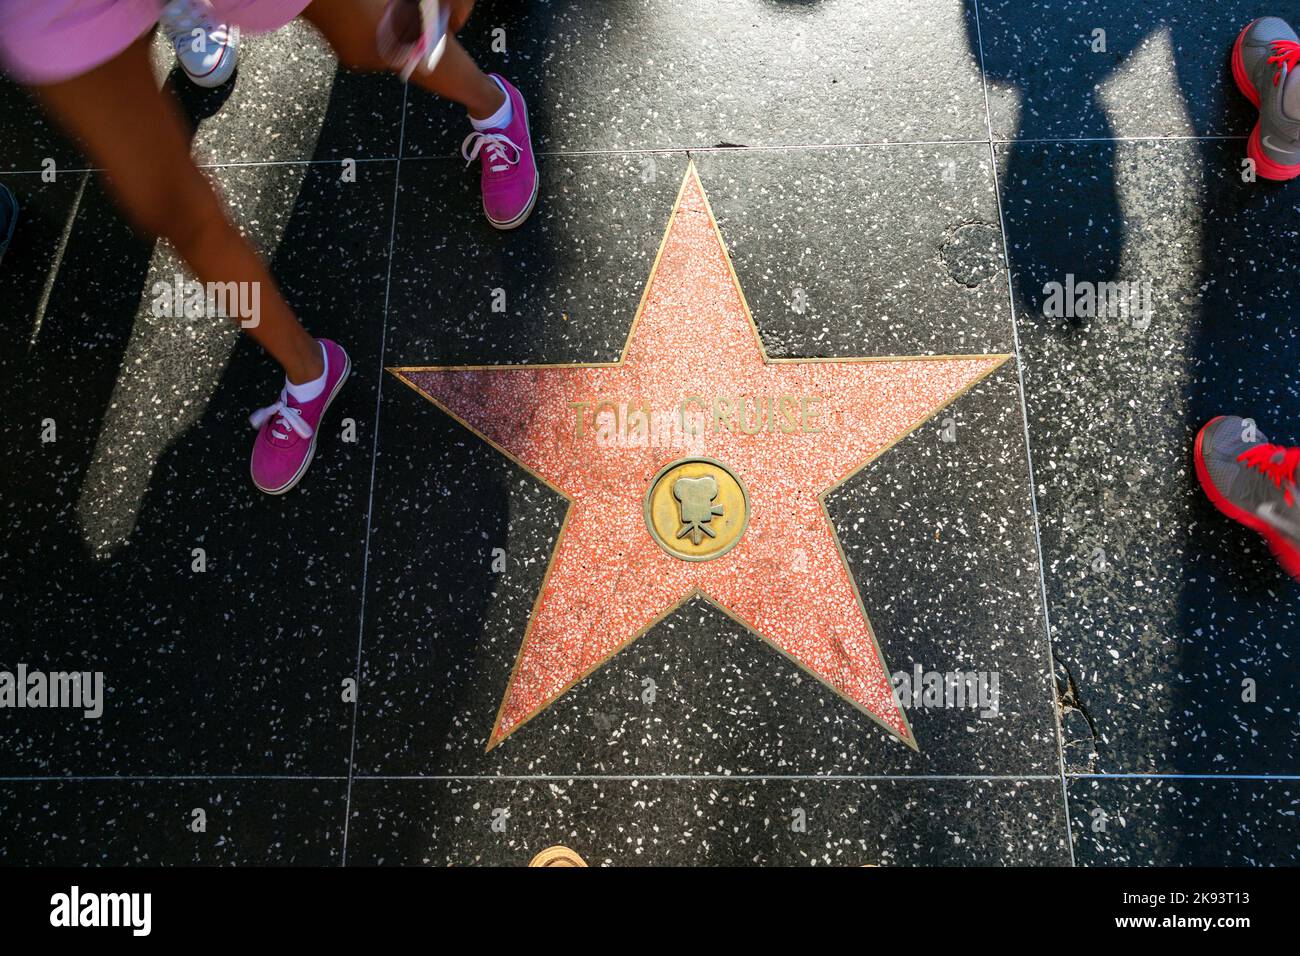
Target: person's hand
[
  {"x": 399, "y": 30},
  {"x": 460, "y": 11}
]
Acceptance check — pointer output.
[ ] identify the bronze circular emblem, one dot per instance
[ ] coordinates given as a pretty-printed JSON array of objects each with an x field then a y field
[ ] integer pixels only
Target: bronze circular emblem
[
  {"x": 696, "y": 509},
  {"x": 558, "y": 856}
]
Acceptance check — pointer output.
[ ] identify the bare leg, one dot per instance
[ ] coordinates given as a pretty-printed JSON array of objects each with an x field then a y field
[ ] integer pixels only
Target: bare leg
[
  {"x": 350, "y": 27},
  {"x": 137, "y": 135}
]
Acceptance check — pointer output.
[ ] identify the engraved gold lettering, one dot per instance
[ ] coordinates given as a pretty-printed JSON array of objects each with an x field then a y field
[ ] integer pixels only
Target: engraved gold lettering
[
  {"x": 638, "y": 423},
  {"x": 580, "y": 409},
  {"x": 759, "y": 414},
  {"x": 723, "y": 410},
  {"x": 788, "y": 422},
  {"x": 681, "y": 413},
  {"x": 810, "y": 415}
]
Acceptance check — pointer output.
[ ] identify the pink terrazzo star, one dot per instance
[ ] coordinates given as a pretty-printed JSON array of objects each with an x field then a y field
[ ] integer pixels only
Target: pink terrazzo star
[{"x": 791, "y": 430}]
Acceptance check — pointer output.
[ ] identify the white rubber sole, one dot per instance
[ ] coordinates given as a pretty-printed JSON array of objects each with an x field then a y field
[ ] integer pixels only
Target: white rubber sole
[
  {"x": 523, "y": 216},
  {"x": 311, "y": 452}
]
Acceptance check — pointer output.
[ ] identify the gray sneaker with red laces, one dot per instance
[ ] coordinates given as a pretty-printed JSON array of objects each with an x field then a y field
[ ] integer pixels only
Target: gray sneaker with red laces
[{"x": 1252, "y": 481}]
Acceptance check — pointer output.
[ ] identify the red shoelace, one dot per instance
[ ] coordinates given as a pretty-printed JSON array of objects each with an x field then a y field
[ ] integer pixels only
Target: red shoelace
[
  {"x": 1286, "y": 54},
  {"x": 1277, "y": 462}
]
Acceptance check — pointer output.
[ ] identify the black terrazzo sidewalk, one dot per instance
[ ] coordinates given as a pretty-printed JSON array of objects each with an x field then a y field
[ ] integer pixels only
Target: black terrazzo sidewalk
[{"x": 891, "y": 179}]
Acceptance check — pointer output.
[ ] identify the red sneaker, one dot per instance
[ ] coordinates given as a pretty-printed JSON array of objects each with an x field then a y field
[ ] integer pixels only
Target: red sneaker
[
  {"x": 1252, "y": 482},
  {"x": 1264, "y": 61}
]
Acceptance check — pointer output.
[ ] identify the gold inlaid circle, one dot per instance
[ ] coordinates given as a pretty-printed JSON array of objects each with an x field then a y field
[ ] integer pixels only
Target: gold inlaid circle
[
  {"x": 558, "y": 856},
  {"x": 696, "y": 509}
]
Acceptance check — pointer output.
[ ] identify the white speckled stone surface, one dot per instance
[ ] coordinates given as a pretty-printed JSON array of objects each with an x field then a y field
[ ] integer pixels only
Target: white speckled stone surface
[{"x": 888, "y": 184}]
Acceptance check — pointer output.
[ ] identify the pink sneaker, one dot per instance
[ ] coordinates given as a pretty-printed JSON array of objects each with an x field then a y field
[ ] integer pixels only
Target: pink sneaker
[
  {"x": 509, "y": 171},
  {"x": 286, "y": 438}
]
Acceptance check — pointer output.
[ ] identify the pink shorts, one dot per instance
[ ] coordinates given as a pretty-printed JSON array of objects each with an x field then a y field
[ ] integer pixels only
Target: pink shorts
[{"x": 47, "y": 41}]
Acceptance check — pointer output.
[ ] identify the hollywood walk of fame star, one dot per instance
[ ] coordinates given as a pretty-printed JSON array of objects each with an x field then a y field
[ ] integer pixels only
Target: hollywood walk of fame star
[{"x": 697, "y": 466}]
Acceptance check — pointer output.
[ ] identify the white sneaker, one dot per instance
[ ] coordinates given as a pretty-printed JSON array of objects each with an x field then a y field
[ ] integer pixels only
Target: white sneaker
[{"x": 206, "y": 51}]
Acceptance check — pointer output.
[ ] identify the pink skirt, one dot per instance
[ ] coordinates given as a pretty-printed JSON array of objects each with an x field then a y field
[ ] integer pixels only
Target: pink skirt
[{"x": 48, "y": 41}]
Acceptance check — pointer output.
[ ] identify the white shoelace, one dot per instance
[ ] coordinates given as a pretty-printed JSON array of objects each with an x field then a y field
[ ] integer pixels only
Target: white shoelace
[
  {"x": 286, "y": 415},
  {"x": 496, "y": 156},
  {"x": 180, "y": 19}
]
